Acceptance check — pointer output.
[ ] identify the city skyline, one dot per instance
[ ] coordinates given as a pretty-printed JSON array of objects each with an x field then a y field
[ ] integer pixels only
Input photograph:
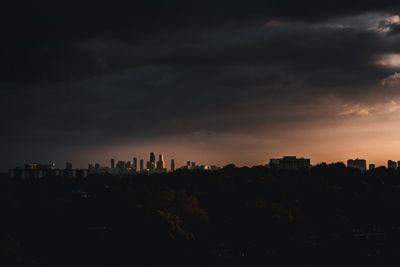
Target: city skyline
[
  {"x": 83, "y": 163},
  {"x": 200, "y": 133},
  {"x": 138, "y": 164},
  {"x": 224, "y": 83}
]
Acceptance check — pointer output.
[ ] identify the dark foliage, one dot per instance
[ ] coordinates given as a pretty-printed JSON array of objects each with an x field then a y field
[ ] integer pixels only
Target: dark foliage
[{"x": 327, "y": 216}]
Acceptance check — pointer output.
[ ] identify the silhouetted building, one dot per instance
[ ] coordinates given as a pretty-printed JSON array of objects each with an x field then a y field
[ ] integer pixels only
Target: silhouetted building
[
  {"x": 112, "y": 163},
  {"x": 97, "y": 166},
  {"x": 188, "y": 164},
  {"x": 160, "y": 163},
  {"x": 392, "y": 164},
  {"x": 68, "y": 166},
  {"x": 152, "y": 161},
  {"x": 371, "y": 167},
  {"x": 274, "y": 163},
  {"x": 290, "y": 163},
  {"x": 135, "y": 164},
  {"x": 214, "y": 168},
  {"x": 141, "y": 165},
  {"x": 35, "y": 170},
  {"x": 120, "y": 167},
  {"x": 360, "y": 164},
  {"x": 172, "y": 165}
]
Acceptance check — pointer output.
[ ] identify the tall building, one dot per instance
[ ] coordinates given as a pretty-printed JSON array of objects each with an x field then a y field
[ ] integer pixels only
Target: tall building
[
  {"x": 135, "y": 164},
  {"x": 128, "y": 164},
  {"x": 193, "y": 165},
  {"x": 360, "y": 164},
  {"x": 160, "y": 163},
  {"x": 392, "y": 164},
  {"x": 188, "y": 164},
  {"x": 141, "y": 165},
  {"x": 121, "y": 167},
  {"x": 172, "y": 165},
  {"x": 112, "y": 163},
  {"x": 152, "y": 164},
  {"x": 68, "y": 166}
]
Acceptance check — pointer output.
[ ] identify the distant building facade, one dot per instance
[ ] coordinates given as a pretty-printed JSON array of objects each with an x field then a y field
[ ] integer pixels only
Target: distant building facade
[
  {"x": 290, "y": 163},
  {"x": 37, "y": 171},
  {"x": 152, "y": 163},
  {"x": 68, "y": 166},
  {"x": 135, "y": 164},
  {"x": 360, "y": 164},
  {"x": 112, "y": 163},
  {"x": 141, "y": 165},
  {"x": 161, "y": 162}
]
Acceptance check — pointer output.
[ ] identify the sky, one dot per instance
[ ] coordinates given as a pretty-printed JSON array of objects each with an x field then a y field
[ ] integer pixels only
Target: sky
[{"x": 214, "y": 82}]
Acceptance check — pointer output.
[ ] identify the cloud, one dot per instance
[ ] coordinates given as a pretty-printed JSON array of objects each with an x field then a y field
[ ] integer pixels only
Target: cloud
[
  {"x": 110, "y": 74},
  {"x": 393, "y": 79}
]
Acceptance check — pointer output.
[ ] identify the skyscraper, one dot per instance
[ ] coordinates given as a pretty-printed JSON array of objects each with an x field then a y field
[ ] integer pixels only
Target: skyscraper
[
  {"x": 160, "y": 163},
  {"x": 68, "y": 166},
  {"x": 141, "y": 165},
  {"x": 172, "y": 165},
  {"x": 121, "y": 165},
  {"x": 112, "y": 163},
  {"x": 152, "y": 164},
  {"x": 135, "y": 164}
]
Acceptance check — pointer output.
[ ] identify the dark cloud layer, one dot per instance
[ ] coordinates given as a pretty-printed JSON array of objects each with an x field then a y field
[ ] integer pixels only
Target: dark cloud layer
[{"x": 76, "y": 73}]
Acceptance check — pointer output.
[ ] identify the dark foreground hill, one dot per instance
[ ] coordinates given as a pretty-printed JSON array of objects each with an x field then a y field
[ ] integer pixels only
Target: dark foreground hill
[{"x": 327, "y": 216}]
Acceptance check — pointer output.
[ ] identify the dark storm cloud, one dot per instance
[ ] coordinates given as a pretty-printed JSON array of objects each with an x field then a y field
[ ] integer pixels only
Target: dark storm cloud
[
  {"x": 94, "y": 73},
  {"x": 42, "y": 39}
]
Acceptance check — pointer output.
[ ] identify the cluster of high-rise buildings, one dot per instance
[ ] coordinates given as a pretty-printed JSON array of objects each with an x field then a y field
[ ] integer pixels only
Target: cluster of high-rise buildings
[
  {"x": 124, "y": 167},
  {"x": 36, "y": 170},
  {"x": 150, "y": 166}
]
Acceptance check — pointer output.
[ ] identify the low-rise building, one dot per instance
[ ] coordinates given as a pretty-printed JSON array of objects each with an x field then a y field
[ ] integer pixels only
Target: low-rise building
[{"x": 290, "y": 163}]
